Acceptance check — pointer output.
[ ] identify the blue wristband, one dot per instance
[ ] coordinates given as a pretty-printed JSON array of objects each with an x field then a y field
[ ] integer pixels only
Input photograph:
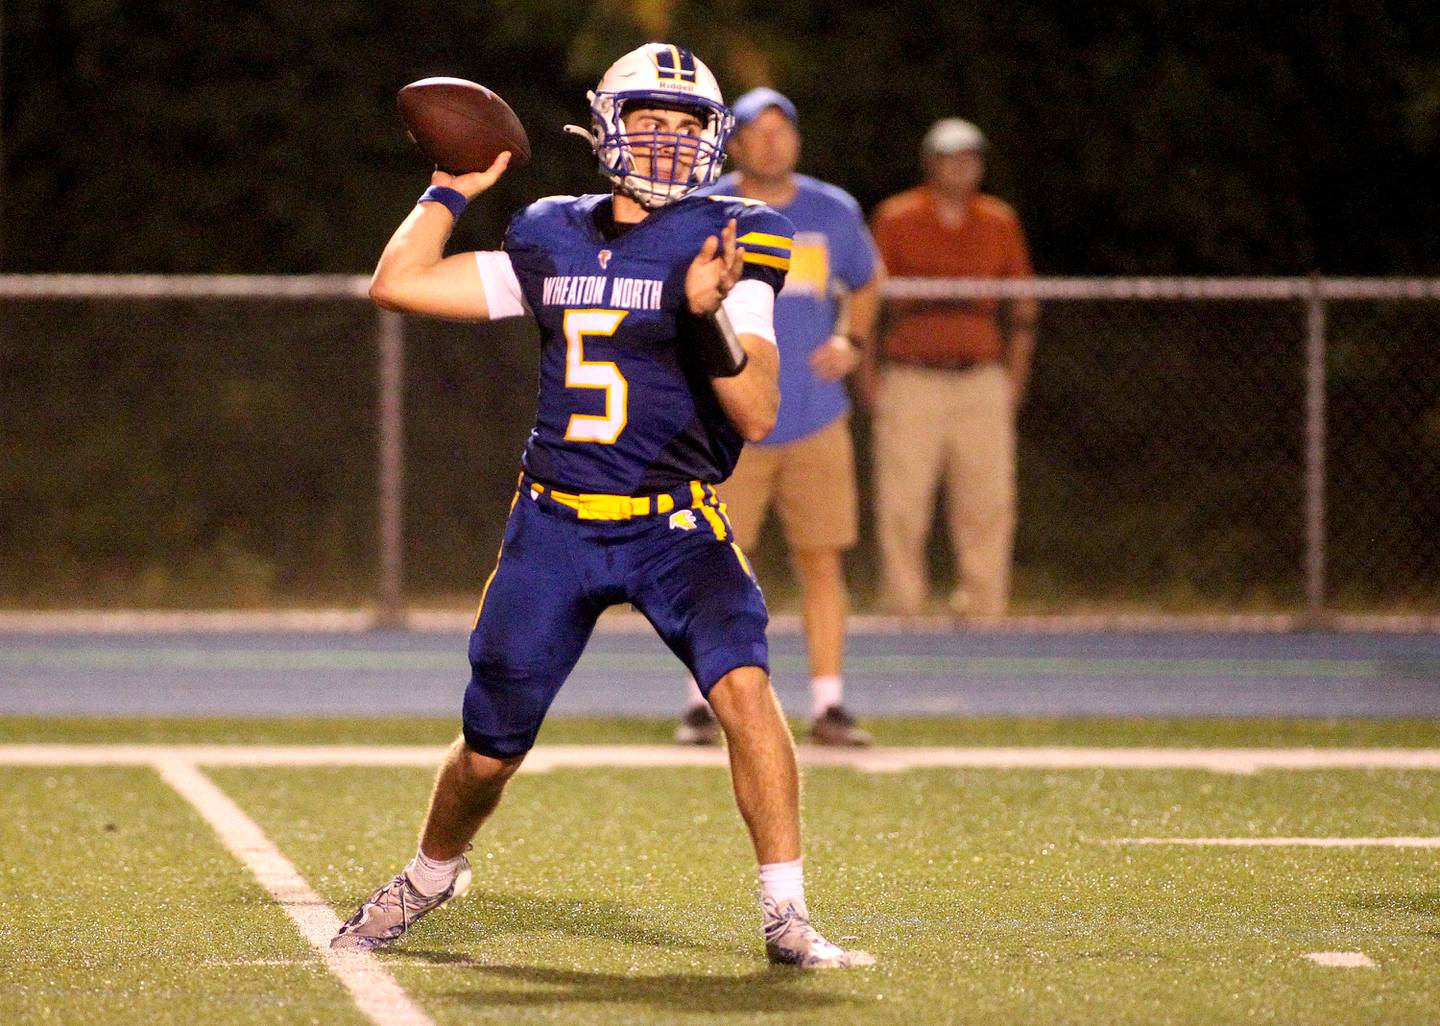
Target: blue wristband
[{"x": 451, "y": 199}]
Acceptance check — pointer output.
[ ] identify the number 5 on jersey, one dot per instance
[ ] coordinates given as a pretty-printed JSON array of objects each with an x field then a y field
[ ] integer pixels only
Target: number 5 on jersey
[{"x": 583, "y": 373}]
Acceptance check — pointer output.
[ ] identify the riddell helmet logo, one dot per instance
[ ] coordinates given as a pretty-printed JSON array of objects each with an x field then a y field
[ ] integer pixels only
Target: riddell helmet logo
[
  {"x": 604, "y": 259},
  {"x": 683, "y": 519}
]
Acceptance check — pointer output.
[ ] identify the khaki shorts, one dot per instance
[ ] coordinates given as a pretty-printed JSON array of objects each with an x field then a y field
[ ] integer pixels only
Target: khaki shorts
[{"x": 811, "y": 483}]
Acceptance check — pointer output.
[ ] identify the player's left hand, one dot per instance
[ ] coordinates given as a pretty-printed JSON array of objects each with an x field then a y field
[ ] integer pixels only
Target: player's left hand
[
  {"x": 714, "y": 272},
  {"x": 835, "y": 359}
]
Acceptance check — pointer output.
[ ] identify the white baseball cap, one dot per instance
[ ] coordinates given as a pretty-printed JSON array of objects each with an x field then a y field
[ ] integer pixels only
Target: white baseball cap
[{"x": 953, "y": 135}]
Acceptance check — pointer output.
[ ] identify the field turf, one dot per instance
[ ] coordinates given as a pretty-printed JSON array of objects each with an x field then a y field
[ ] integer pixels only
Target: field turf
[{"x": 625, "y": 895}]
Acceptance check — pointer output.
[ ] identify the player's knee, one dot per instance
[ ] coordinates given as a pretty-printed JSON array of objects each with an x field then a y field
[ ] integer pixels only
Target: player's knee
[
  {"x": 484, "y": 768},
  {"x": 503, "y": 708},
  {"x": 743, "y": 686}
]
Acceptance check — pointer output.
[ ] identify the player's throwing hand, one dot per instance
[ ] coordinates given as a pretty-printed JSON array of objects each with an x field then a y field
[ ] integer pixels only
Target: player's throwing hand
[
  {"x": 473, "y": 184},
  {"x": 713, "y": 272}
]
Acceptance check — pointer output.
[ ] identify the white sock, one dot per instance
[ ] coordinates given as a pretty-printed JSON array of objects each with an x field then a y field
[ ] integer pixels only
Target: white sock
[
  {"x": 431, "y": 876},
  {"x": 693, "y": 692},
  {"x": 825, "y": 692},
  {"x": 784, "y": 881}
]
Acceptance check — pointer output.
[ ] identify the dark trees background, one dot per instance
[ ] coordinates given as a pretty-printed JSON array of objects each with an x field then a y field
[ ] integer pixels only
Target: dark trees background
[
  {"x": 1167, "y": 136},
  {"x": 217, "y": 453}
]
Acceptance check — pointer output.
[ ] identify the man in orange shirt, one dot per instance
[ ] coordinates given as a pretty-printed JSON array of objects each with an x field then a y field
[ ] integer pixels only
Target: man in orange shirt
[{"x": 952, "y": 377}]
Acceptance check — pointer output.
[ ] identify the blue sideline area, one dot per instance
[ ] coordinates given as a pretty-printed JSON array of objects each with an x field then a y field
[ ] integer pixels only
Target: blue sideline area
[{"x": 915, "y": 673}]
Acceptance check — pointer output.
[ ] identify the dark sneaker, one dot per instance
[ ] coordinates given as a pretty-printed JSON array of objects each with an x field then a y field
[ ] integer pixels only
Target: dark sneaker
[
  {"x": 838, "y": 729},
  {"x": 698, "y": 727},
  {"x": 791, "y": 940},
  {"x": 384, "y": 917}
]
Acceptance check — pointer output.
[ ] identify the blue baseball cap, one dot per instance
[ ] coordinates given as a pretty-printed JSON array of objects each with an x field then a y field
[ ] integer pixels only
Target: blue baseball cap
[{"x": 757, "y": 101}]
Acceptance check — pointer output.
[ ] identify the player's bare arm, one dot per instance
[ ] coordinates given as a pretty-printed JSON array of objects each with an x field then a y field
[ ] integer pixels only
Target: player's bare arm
[
  {"x": 415, "y": 276},
  {"x": 751, "y": 398}
]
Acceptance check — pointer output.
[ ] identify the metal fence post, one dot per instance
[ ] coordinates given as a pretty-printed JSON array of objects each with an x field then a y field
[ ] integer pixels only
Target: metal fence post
[
  {"x": 1315, "y": 451},
  {"x": 391, "y": 608}
]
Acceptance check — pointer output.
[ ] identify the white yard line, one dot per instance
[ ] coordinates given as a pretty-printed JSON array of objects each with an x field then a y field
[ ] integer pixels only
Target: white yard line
[
  {"x": 381, "y": 999},
  {"x": 267, "y": 963},
  {"x": 1342, "y": 959},
  {"x": 220, "y": 755},
  {"x": 874, "y": 760},
  {"x": 375, "y": 991},
  {"x": 1287, "y": 842}
]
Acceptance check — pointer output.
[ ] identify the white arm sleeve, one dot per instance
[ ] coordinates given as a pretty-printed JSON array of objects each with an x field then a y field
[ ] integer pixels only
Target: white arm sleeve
[
  {"x": 751, "y": 309},
  {"x": 503, "y": 297}
]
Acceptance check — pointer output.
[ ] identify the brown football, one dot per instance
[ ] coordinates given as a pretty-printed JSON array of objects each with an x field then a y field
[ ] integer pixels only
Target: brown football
[{"x": 461, "y": 126}]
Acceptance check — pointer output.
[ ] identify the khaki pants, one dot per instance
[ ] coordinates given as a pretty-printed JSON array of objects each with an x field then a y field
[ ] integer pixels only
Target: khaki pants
[
  {"x": 959, "y": 424},
  {"x": 811, "y": 484}
]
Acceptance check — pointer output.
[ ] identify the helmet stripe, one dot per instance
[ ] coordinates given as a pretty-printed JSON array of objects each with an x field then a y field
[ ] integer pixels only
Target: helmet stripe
[
  {"x": 686, "y": 64},
  {"x": 674, "y": 63}
]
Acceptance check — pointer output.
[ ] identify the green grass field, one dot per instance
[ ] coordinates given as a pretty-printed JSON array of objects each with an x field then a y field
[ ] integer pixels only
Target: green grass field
[{"x": 622, "y": 895}]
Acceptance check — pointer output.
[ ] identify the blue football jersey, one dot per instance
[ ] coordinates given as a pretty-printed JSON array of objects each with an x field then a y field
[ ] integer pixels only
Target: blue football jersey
[{"x": 623, "y": 407}]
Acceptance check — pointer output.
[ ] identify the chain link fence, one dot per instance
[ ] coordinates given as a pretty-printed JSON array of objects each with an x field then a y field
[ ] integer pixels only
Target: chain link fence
[{"x": 1189, "y": 446}]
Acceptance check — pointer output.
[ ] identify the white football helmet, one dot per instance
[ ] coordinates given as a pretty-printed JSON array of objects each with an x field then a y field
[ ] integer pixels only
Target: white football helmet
[{"x": 660, "y": 75}]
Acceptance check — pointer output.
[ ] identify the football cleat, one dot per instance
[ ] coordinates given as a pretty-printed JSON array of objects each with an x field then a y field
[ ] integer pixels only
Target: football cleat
[
  {"x": 836, "y": 728},
  {"x": 698, "y": 727},
  {"x": 791, "y": 940},
  {"x": 384, "y": 917}
]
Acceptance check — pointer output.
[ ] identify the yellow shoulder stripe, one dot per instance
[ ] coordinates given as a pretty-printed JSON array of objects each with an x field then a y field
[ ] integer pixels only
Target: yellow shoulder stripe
[
  {"x": 764, "y": 239},
  {"x": 769, "y": 261}
]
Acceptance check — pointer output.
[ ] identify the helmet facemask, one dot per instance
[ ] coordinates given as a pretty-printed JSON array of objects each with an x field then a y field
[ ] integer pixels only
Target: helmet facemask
[{"x": 657, "y": 168}]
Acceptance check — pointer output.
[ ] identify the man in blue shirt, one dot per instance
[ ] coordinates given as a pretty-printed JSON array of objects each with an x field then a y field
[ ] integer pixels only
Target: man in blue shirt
[
  {"x": 657, "y": 362},
  {"x": 805, "y": 467}
]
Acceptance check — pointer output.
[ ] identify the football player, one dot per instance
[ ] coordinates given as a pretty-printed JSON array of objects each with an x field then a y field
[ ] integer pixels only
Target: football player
[{"x": 658, "y": 362}]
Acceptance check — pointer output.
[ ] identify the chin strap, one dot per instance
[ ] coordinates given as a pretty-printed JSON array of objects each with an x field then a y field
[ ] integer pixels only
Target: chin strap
[{"x": 648, "y": 202}]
